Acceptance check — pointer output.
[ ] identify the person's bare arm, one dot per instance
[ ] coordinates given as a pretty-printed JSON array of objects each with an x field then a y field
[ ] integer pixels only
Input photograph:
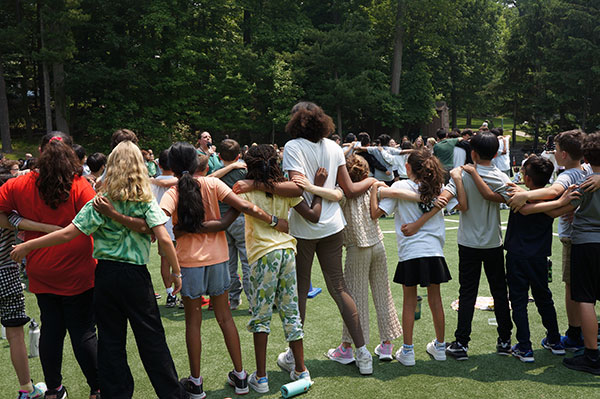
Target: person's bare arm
[
  {"x": 351, "y": 189},
  {"x": 400, "y": 193},
  {"x": 410, "y": 229},
  {"x": 591, "y": 183},
  {"x": 27, "y": 225},
  {"x": 58, "y": 237},
  {"x": 103, "y": 206},
  {"x": 519, "y": 198},
  {"x": 317, "y": 188},
  {"x": 461, "y": 194},
  {"x": 166, "y": 183},
  {"x": 211, "y": 226},
  {"x": 168, "y": 251},
  {"x": 376, "y": 211},
  {"x": 283, "y": 189},
  {"x": 312, "y": 213},
  {"x": 250, "y": 209},
  {"x": 226, "y": 169},
  {"x": 485, "y": 190},
  {"x": 549, "y": 207}
]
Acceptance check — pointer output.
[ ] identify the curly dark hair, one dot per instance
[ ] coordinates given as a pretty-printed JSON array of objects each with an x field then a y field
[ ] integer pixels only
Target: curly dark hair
[
  {"x": 591, "y": 148},
  {"x": 58, "y": 165},
  {"x": 308, "y": 121},
  {"x": 263, "y": 166},
  {"x": 429, "y": 174}
]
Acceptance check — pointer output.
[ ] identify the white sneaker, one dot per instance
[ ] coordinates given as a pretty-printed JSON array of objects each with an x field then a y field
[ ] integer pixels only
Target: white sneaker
[
  {"x": 407, "y": 358},
  {"x": 437, "y": 351},
  {"x": 286, "y": 361},
  {"x": 305, "y": 375},
  {"x": 364, "y": 361},
  {"x": 260, "y": 385}
]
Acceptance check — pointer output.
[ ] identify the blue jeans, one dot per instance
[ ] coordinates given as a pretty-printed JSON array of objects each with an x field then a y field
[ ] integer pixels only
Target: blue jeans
[{"x": 236, "y": 242}]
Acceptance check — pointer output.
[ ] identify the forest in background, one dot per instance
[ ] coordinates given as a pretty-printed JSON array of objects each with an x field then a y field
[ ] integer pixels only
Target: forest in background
[{"x": 168, "y": 68}]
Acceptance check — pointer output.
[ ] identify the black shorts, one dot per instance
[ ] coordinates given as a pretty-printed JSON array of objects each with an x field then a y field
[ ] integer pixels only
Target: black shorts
[
  {"x": 423, "y": 271},
  {"x": 585, "y": 272}
]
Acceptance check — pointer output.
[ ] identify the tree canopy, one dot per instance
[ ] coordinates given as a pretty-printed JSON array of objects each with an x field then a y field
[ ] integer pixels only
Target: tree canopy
[{"x": 167, "y": 68}]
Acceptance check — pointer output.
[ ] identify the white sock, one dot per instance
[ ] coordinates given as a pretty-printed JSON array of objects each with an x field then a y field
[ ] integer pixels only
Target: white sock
[
  {"x": 197, "y": 381},
  {"x": 240, "y": 374},
  {"x": 170, "y": 291}
]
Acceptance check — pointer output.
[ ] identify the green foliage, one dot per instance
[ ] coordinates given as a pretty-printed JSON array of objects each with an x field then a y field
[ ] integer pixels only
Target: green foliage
[{"x": 236, "y": 67}]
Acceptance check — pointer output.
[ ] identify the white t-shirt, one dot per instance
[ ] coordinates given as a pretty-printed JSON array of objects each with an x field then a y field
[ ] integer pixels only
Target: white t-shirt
[
  {"x": 502, "y": 161},
  {"x": 158, "y": 192},
  {"x": 306, "y": 157},
  {"x": 429, "y": 240},
  {"x": 397, "y": 161}
]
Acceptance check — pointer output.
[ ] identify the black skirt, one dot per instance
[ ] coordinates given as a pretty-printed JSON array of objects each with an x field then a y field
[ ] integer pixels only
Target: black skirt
[{"x": 423, "y": 271}]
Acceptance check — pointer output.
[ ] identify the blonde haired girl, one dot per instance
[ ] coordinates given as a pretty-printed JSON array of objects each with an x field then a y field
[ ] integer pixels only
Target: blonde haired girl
[{"x": 123, "y": 289}]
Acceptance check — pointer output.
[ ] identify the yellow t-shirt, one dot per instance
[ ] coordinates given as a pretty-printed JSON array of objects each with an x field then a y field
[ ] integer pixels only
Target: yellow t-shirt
[{"x": 262, "y": 238}]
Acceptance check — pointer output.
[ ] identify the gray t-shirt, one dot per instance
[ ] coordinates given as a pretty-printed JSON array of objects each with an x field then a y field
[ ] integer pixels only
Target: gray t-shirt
[
  {"x": 480, "y": 225},
  {"x": 565, "y": 179},
  {"x": 230, "y": 179},
  {"x": 586, "y": 223}
]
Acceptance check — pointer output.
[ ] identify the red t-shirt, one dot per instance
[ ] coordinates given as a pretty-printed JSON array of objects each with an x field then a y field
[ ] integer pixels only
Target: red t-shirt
[{"x": 66, "y": 269}]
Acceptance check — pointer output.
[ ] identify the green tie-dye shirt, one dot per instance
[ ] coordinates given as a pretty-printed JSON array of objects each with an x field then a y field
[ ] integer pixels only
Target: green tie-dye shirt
[{"x": 112, "y": 240}]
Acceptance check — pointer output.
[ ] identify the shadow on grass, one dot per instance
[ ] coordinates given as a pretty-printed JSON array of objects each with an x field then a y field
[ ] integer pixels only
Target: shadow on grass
[
  {"x": 548, "y": 369},
  {"x": 177, "y": 314}
]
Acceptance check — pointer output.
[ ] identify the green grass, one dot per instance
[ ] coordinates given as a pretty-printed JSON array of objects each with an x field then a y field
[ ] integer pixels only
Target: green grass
[
  {"x": 476, "y": 122},
  {"x": 484, "y": 375}
]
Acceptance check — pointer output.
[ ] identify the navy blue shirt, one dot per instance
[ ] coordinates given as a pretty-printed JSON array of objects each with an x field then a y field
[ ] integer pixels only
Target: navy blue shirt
[{"x": 529, "y": 235}]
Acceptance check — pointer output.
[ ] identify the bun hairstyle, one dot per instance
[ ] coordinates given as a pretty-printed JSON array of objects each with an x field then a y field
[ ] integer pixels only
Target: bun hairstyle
[
  {"x": 428, "y": 173},
  {"x": 183, "y": 160},
  {"x": 308, "y": 121},
  {"x": 263, "y": 165},
  {"x": 58, "y": 165},
  {"x": 358, "y": 168}
]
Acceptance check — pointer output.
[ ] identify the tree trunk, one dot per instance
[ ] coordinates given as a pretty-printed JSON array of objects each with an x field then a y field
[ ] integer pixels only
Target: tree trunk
[
  {"x": 514, "y": 130},
  {"x": 4, "y": 121},
  {"x": 60, "y": 100},
  {"x": 247, "y": 32},
  {"x": 46, "y": 76},
  {"x": 536, "y": 134},
  {"x": 338, "y": 110},
  {"x": 469, "y": 118},
  {"x": 397, "y": 58}
]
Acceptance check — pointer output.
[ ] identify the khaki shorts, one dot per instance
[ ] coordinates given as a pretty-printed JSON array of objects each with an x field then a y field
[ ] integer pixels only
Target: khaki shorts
[{"x": 566, "y": 260}]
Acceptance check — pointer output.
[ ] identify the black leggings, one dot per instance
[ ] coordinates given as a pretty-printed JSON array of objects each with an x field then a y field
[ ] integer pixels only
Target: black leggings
[{"x": 74, "y": 314}]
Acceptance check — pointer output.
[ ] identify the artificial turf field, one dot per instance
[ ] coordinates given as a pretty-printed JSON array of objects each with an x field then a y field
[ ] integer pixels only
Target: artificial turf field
[{"x": 485, "y": 374}]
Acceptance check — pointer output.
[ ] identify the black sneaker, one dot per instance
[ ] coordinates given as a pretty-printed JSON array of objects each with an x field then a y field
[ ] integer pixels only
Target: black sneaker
[
  {"x": 171, "y": 301},
  {"x": 457, "y": 351},
  {"x": 503, "y": 348},
  {"x": 583, "y": 363},
  {"x": 54, "y": 394},
  {"x": 240, "y": 384},
  {"x": 194, "y": 391}
]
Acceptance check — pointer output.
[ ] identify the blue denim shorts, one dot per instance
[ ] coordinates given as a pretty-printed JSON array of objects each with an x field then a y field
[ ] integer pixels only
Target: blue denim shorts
[{"x": 210, "y": 280}]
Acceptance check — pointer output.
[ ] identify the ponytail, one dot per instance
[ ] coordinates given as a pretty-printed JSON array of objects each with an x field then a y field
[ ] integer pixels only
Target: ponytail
[
  {"x": 58, "y": 165},
  {"x": 183, "y": 160},
  {"x": 429, "y": 174}
]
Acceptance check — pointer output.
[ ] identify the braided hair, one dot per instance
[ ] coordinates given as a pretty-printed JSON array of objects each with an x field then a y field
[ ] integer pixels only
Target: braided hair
[{"x": 263, "y": 166}]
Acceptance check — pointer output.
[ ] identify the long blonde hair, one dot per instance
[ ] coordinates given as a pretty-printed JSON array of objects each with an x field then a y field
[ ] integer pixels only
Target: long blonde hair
[{"x": 126, "y": 175}]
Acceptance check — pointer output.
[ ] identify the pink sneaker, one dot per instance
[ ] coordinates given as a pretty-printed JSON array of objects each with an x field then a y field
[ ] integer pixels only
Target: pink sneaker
[
  {"x": 384, "y": 351},
  {"x": 341, "y": 355}
]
